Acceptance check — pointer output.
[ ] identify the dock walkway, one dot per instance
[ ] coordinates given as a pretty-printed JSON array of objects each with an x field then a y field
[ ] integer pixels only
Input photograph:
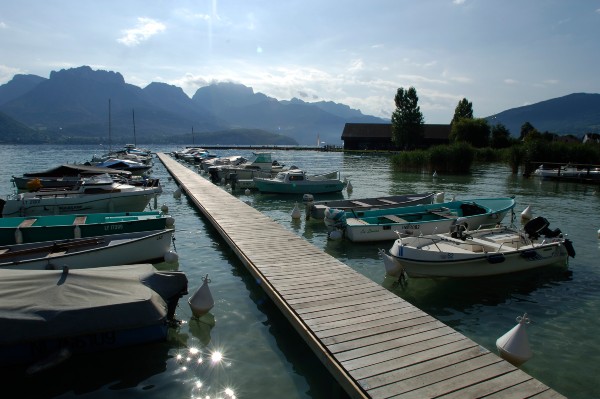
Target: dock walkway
[{"x": 374, "y": 343}]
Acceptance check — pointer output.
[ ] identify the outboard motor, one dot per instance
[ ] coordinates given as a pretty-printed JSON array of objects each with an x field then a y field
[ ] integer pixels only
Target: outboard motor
[
  {"x": 335, "y": 219},
  {"x": 539, "y": 226},
  {"x": 459, "y": 228},
  {"x": 214, "y": 174}
]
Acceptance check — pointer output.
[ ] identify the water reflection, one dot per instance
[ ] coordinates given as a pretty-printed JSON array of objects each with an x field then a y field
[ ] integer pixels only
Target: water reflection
[
  {"x": 434, "y": 295},
  {"x": 105, "y": 371}
]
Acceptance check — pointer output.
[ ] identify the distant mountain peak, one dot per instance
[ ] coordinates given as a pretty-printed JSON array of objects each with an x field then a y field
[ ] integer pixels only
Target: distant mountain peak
[{"x": 87, "y": 73}]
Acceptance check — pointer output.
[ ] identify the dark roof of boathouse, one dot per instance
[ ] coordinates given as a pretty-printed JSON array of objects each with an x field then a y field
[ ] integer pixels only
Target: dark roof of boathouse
[{"x": 384, "y": 130}]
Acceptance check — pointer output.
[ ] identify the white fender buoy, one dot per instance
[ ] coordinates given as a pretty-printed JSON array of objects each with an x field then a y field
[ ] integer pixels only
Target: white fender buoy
[
  {"x": 201, "y": 302},
  {"x": 171, "y": 257},
  {"x": 514, "y": 345},
  {"x": 439, "y": 197},
  {"x": 308, "y": 198},
  {"x": 598, "y": 233},
  {"x": 392, "y": 268},
  {"x": 349, "y": 187},
  {"x": 177, "y": 193},
  {"x": 247, "y": 191},
  {"x": 435, "y": 173},
  {"x": 335, "y": 234},
  {"x": 77, "y": 231},
  {"x": 296, "y": 212},
  {"x": 526, "y": 214},
  {"x": 170, "y": 222},
  {"x": 18, "y": 236},
  {"x": 164, "y": 208}
]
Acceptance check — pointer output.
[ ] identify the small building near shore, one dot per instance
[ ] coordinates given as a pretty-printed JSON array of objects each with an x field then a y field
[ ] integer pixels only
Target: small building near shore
[{"x": 378, "y": 136}]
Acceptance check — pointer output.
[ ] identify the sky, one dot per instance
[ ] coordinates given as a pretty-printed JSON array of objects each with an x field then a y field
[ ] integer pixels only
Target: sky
[{"x": 498, "y": 54}]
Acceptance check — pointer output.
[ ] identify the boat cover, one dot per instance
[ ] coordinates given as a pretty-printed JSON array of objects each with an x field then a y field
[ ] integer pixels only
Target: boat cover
[
  {"x": 46, "y": 304},
  {"x": 75, "y": 170}
]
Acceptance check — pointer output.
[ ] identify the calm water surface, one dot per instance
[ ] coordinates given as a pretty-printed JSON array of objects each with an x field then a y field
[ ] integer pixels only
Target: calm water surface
[{"x": 260, "y": 356}]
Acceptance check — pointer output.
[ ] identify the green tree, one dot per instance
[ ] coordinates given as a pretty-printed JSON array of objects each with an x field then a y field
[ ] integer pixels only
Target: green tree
[
  {"x": 407, "y": 119},
  {"x": 464, "y": 109},
  {"x": 500, "y": 136},
  {"x": 526, "y": 128},
  {"x": 473, "y": 131}
]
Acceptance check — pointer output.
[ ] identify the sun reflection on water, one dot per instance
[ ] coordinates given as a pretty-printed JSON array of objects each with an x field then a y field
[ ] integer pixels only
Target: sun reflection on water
[{"x": 203, "y": 365}]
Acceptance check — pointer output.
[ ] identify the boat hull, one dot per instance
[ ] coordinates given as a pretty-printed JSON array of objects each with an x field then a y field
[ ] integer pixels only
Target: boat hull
[
  {"x": 269, "y": 186},
  {"x": 116, "y": 249},
  {"x": 479, "y": 253},
  {"x": 60, "y": 204},
  {"x": 450, "y": 264},
  {"x": 20, "y": 230}
]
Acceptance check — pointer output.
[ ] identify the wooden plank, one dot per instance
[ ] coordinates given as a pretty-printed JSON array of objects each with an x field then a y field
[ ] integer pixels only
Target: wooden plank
[
  {"x": 395, "y": 219},
  {"x": 27, "y": 222},
  {"x": 374, "y": 343},
  {"x": 364, "y": 204},
  {"x": 80, "y": 220}
]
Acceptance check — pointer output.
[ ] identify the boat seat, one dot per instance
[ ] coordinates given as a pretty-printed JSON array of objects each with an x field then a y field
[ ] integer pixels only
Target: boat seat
[
  {"x": 356, "y": 221},
  {"x": 360, "y": 203},
  {"x": 387, "y": 201},
  {"x": 57, "y": 253},
  {"x": 444, "y": 214},
  {"x": 27, "y": 222},
  {"x": 395, "y": 219},
  {"x": 80, "y": 220}
]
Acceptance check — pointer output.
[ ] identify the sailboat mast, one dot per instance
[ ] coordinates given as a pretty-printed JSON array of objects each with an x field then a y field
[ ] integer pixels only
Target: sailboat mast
[
  {"x": 193, "y": 135},
  {"x": 134, "y": 140},
  {"x": 109, "y": 129}
]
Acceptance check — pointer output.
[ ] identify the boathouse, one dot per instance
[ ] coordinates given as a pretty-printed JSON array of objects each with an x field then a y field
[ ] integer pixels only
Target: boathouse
[{"x": 378, "y": 136}]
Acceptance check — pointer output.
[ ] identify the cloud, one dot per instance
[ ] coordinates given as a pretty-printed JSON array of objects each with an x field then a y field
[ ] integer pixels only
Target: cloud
[
  {"x": 3, "y": 25},
  {"x": 509, "y": 81},
  {"x": 458, "y": 2},
  {"x": 145, "y": 29}
]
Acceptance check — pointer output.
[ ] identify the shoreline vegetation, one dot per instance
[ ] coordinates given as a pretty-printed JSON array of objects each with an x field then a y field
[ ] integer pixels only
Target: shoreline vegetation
[{"x": 527, "y": 156}]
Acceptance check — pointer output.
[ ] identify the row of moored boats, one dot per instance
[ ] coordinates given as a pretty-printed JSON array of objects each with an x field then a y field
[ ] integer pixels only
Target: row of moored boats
[
  {"x": 430, "y": 237},
  {"x": 77, "y": 248}
]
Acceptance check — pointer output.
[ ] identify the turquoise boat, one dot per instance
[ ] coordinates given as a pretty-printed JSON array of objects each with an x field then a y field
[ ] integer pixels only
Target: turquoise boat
[
  {"x": 297, "y": 181},
  {"x": 20, "y": 230},
  {"x": 388, "y": 224}
]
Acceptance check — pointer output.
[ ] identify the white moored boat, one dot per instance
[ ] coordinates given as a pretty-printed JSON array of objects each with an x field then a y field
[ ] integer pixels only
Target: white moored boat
[
  {"x": 96, "y": 194},
  {"x": 297, "y": 181},
  {"x": 82, "y": 253},
  {"x": 485, "y": 252}
]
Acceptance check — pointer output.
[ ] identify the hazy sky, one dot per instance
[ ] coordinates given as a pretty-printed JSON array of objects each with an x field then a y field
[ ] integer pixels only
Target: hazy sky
[{"x": 499, "y": 54}]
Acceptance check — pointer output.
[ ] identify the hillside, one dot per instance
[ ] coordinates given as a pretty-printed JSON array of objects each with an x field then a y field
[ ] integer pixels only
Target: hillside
[
  {"x": 576, "y": 114},
  {"x": 74, "y": 103}
]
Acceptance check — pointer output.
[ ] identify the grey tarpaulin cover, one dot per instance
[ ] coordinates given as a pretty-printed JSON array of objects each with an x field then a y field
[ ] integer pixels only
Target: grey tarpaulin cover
[{"x": 45, "y": 304}]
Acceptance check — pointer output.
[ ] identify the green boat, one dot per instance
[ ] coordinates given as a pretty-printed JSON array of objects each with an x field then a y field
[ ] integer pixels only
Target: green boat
[{"x": 19, "y": 230}]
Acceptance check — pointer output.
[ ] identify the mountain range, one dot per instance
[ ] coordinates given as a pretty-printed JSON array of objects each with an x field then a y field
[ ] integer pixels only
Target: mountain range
[{"x": 81, "y": 105}]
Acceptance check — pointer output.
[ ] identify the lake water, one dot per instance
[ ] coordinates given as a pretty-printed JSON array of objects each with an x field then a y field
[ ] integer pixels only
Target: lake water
[{"x": 261, "y": 356}]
